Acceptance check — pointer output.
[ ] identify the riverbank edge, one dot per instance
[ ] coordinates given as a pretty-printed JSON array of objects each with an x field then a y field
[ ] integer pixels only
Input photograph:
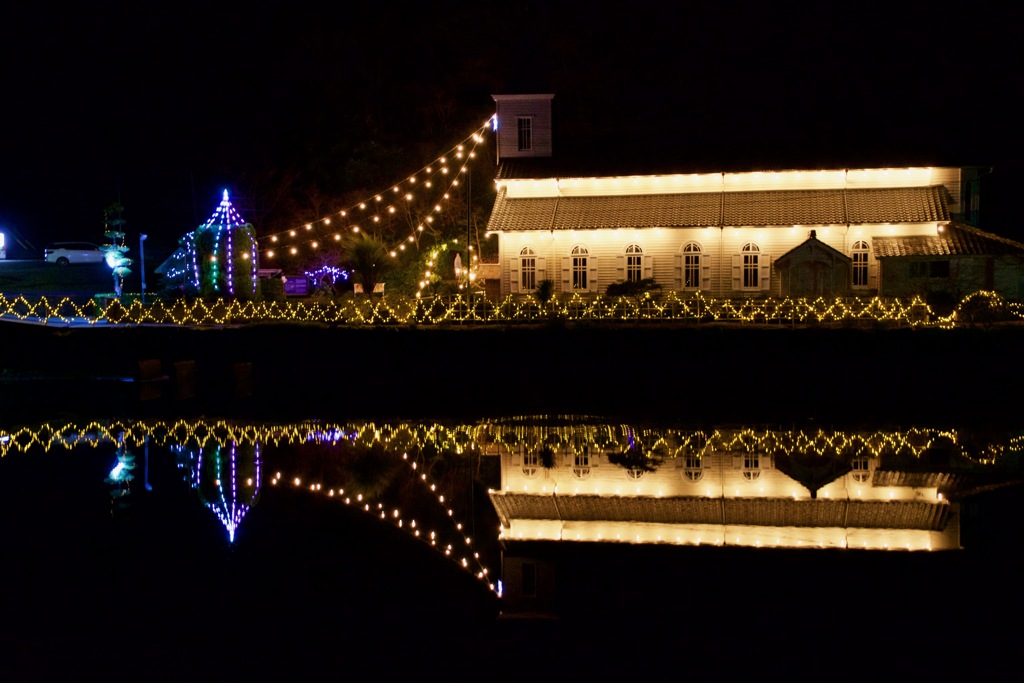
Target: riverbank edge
[{"x": 695, "y": 373}]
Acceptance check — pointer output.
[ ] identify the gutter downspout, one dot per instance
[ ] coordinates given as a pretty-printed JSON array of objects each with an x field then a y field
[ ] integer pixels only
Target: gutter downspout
[
  {"x": 554, "y": 211},
  {"x": 846, "y": 211},
  {"x": 555, "y": 260},
  {"x": 721, "y": 236}
]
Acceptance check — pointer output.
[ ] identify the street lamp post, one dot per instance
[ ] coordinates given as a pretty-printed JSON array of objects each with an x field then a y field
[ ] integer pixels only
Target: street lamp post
[{"x": 142, "y": 266}]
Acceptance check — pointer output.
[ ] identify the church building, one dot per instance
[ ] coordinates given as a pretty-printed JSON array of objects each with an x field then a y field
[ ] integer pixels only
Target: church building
[{"x": 831, "y": 232}]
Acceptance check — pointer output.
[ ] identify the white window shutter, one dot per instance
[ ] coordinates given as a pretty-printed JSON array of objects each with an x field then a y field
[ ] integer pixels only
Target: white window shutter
[
  {"x": 513, "y": 274},
  {"x": 542, "y": 271},
  {"x": 677, "y": 272},
  {"x": 764, "y": 460},
  {"x": 737, "y": 461},
  {"x": 873, "y": 274},
  {"x": 620, "y": 268},
  {"x": 737, "y": 271},
  {"x": 764, "y": 266},
  {"x": 648, "y": 267},
  {"x": 566, "y": 275},
  {"x": 705, "y": 271},
  {"x": 592, "y": 274}
]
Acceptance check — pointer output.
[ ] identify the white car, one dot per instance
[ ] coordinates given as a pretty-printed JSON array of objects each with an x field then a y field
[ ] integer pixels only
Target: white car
[{"x": 64, "y": 253}]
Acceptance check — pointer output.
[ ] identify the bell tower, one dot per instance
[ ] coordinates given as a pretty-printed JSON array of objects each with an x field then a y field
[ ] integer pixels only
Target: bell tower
[{"x": 523, "y": 125}]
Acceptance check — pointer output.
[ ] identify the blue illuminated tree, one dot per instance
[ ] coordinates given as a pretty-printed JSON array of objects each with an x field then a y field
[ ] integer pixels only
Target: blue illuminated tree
[{"x": 221, "y": 257}]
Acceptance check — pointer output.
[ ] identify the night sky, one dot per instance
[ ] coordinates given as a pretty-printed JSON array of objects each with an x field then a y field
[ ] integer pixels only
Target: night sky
[{"x": 164, "y": 105}]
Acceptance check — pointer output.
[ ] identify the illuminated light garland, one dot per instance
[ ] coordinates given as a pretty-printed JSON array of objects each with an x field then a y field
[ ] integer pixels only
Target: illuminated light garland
[
  {"x": 331, "y": 272},
  {"x": 459, "y": 151},
  {"x": 521, "y": 309}
]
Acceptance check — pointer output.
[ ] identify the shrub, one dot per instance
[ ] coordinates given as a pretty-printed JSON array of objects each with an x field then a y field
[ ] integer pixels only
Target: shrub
[{"x": 633, "y": 288}]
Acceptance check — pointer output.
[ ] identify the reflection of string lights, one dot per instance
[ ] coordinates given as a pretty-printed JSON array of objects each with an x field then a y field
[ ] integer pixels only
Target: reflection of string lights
[
  {"x": 396, "y": 309},
  {"x": 230, "y": 494},
  {"x": 394, "y": 515},
  {"x": 489, "y": 436},
  {"x": 213, "y": 450}
]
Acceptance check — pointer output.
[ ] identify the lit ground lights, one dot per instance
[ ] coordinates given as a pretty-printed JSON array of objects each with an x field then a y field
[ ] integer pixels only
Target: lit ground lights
[{"x": 462, "y": 309}]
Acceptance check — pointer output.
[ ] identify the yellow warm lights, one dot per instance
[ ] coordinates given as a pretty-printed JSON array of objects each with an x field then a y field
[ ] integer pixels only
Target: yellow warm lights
[
  {"x": 513, "y": 309},
  {"x": 442, "y": 170}
]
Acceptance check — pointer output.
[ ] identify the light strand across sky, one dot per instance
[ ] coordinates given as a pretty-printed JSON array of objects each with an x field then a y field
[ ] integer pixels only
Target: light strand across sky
[{"x": 442, "y": 175}]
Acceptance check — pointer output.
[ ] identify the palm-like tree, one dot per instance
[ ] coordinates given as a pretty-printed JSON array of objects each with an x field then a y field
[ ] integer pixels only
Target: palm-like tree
[{"x": 370, "y": 260}]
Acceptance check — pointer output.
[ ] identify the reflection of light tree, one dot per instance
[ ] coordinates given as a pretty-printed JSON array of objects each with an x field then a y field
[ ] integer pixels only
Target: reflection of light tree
[
  {"x": 228, "y": 480},
  {"x": 120, "y": 477}
]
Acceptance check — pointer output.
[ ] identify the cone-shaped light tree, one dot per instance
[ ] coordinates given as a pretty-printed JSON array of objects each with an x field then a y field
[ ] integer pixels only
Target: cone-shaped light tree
[{"x": 221, "y": 256}]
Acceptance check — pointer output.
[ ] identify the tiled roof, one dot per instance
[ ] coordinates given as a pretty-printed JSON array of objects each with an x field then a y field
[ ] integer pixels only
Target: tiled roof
[
  {"x": 784, "y": 207},
  {"x": 634, "y": 211},
  {"x": 957, "y": 239},
  {"x": 938, "y": 480},
  {"x": 816, "y": 247},
  {"x": 898, "y": 205},
  {"x": 699, "y": 510},
  {"x": 684, "y": 210}
]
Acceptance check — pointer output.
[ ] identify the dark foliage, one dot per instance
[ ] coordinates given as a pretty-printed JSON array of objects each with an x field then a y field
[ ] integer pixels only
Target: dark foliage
[{"x": 633, "y": 287}]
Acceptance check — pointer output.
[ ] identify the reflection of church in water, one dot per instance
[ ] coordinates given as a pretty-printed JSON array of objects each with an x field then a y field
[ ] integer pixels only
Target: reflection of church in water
[
  {"x": 743, "y": 495},
  {"x": 742, "y": 488}
]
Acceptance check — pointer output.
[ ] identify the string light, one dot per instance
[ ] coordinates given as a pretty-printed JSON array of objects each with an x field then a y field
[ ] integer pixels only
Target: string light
[
  {"x": 515, "y": 309},
  {"x": 407, "y": 188}
]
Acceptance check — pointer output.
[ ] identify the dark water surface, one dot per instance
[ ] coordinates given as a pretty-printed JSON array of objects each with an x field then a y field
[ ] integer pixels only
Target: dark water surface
[
  {"x": 109, "y": 577},
  {"x": 763, "y": 571}
]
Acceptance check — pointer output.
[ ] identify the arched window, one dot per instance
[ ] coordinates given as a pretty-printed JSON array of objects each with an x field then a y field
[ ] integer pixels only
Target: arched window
[
  {"x": 691, "y": 266},
  {"x": 860, "y": 264},
  {"x": 527, "y": 269},
  {"x": 751, "y": 466},
  {"x": 860, "y": 469},
  {"x": 634, "y": 263},
  {"x": 692, "y": 469},
  {"x": 531, "y": 464},
  {"x": 581, "y": 464},
  {"x": 579, "y": 267},
  {"x": 751, "y": 266}
]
